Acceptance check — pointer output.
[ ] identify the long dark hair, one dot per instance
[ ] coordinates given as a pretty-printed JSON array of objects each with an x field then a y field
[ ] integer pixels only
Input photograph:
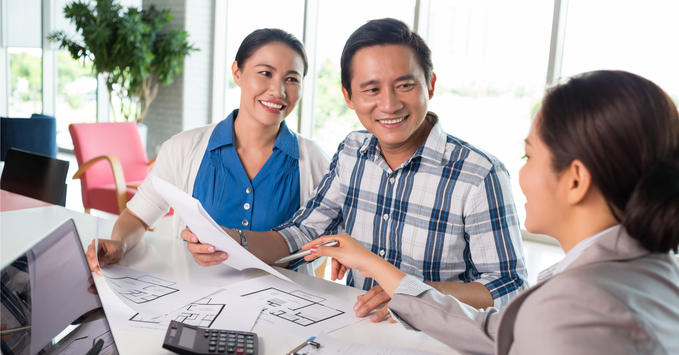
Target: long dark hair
[
  {"x": 625, "y": 130},
  {"x": 261, "y": 37}
]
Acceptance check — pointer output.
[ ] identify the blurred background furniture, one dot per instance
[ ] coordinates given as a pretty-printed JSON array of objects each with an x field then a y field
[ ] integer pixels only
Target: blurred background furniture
[
  {"x": 112, "y": 163},
  {"x": 37, "y": 134},
  {"x": 34, "y": 175}
]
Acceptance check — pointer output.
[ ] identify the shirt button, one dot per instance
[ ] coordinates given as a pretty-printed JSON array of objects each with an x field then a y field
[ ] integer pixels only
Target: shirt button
[
  {"x": 392, "y": 180},
  {"x": 246, "y": 206},
  {"x": 248, "y": 190},
  {"x": 382, "y": 252},
  {"x": 245, "y": 223},
  {"x": 386, "y": 216}
]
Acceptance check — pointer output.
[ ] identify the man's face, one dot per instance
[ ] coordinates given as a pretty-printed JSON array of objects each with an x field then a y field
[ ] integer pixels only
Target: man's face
[{"x": 389, "y": 94}]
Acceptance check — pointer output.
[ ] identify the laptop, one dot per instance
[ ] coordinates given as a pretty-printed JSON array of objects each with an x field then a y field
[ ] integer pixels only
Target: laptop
[{"x": 46, "y": 288}]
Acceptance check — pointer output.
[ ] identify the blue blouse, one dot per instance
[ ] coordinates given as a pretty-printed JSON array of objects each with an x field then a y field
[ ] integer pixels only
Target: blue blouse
[{"x": 228, "y": 195}]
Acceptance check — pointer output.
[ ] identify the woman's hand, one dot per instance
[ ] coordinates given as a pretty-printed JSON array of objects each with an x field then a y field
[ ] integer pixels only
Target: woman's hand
[
  {"x": 203, "y": 254},
  {"x": 110, "y": 252},
  {"x": 348, "y": 254}
]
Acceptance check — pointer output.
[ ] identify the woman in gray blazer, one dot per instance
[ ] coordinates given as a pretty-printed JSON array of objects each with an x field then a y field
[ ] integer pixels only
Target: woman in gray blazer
[{"x": 602, "y": 177}]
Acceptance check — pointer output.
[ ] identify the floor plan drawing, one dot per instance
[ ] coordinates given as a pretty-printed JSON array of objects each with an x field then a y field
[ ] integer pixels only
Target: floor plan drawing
[
  {"x": 142, "y": 289},
  {"x": 293, "y": 309},
  {"x": 296, "y": 306},
  {"x": 200, "y": 314}
]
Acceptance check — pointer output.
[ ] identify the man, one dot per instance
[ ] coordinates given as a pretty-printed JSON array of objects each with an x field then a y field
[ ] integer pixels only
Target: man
[{"x": 427, "y": 202}]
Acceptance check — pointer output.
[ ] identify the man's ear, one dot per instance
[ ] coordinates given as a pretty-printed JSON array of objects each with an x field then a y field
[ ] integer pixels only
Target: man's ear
[
  {"x": 236, "y": 73},
  {"x": 347, "y": 98},
  {"x": 578, "y": 180},
  {"x": 432, "y": 85}
]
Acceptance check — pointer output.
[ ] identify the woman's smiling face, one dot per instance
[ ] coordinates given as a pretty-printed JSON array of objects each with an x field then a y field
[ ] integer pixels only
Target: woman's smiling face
[{"x": 270, "y": 82}]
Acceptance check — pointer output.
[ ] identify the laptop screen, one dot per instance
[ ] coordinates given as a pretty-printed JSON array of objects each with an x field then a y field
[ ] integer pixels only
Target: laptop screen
[{"x": 46, "y": 289}]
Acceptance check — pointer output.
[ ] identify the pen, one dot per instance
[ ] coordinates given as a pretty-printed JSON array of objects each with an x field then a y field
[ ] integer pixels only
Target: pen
[
  {"x": 303, "y": 253},
  {"x": 14, "y": 330}
]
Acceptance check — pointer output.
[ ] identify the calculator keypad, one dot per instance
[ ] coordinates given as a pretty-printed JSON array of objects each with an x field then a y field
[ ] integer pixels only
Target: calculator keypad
[{"x": 227, "y": 342}]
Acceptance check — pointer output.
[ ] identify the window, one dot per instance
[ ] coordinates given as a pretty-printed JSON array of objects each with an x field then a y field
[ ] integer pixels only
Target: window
[
  {"x": 337, "y": 20},
  {"x": 76, "y": 100},
  {"x": 490, "y": 60},
  {"x": 25, "y": 81},
  {"x": 261, "y": 14},
  {"x": 604, "y": 34}
]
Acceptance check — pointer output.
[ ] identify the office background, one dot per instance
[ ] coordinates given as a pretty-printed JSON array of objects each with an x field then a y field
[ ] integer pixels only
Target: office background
[{"x": 493, "y": 60}]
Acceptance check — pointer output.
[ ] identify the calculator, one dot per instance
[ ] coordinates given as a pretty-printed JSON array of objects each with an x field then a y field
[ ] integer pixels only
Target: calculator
[{"x": 191, "y": 340}]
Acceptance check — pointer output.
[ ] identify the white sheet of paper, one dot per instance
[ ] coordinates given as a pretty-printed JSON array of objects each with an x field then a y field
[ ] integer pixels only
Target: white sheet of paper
[
  {"x": 152, "y": 295},
  {"x": 208, "y": 231},
  {"x": 217, "y": 311},
  {"x": 333, "y": 346},
  {"x": 293, "y": 309},
  {"x": 59, "y": 273}
]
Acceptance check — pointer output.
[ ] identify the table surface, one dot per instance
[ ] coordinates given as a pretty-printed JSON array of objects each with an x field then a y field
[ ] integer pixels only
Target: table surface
[
  {"x": 9, "y": 201},
  {"x": 168, "y": 257}
]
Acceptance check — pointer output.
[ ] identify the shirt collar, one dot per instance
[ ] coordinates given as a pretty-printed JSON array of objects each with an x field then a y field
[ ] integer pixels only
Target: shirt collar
[
  {"x": 573, "y": 254},
  {"x": 432, "y": 149},
  {"x": 223, "y": 135}
]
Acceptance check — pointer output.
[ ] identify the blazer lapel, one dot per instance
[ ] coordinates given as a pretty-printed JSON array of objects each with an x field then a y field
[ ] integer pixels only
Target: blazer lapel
[{"x": 612, "y": 246}]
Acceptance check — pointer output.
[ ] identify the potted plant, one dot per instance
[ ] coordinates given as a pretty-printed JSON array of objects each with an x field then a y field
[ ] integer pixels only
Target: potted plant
[{"x": 130, "y": 48}]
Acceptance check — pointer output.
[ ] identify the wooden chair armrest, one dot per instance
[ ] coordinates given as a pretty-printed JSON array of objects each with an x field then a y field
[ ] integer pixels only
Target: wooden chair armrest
[
  {"x": 118, "y": 177},
  {"x": 152, "y": 163}
]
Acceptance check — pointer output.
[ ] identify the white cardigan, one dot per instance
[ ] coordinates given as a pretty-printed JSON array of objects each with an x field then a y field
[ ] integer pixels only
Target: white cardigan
[{"x": 179, "y": 160}]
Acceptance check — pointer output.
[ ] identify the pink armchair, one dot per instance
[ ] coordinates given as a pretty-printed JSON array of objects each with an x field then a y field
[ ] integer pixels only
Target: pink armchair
[{"x": 112, "y": 163}]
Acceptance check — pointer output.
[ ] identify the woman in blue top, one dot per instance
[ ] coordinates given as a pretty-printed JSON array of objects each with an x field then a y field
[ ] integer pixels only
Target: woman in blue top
[{"x": 249, "y": 171}]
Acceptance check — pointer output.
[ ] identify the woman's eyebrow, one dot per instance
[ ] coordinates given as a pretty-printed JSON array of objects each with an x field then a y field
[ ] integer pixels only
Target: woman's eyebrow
[{"x": 274, "y": 69}]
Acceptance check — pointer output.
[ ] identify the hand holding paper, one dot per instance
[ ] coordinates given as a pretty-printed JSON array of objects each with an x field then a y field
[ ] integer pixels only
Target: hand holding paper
[{"x": 208, "y": 231}]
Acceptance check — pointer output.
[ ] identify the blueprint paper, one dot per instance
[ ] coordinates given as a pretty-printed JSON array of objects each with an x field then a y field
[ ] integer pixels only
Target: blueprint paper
[
  {"x": 293, "y": 309},
  {"x": 208, "y": 231},
  {"x": 333, "y": 346},
  {"x": 150, "y": 294},
  {"x": 84, "y": 339},
  {"x": 217, "y": 311}
]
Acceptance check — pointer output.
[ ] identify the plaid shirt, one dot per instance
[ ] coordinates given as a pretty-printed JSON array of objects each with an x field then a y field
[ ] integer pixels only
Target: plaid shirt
[{"x": 445, "y": 214}]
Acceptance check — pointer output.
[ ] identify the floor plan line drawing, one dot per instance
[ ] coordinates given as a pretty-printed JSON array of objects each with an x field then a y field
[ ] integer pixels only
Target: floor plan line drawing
[
  {"x": 142, "y": 289},
  {"x": 296, "y": 306},
  {"x": 200, "y": 314}
]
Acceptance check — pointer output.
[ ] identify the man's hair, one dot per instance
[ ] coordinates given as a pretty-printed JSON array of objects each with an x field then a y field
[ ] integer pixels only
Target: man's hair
[{"x": 379, "y": 33}]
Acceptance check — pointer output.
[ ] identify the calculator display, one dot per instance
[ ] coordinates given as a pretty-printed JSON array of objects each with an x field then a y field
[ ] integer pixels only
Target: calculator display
[{"x": 187, "y": 338}]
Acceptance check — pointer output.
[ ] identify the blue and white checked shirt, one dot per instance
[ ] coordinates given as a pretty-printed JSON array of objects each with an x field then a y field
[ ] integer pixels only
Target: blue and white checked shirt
[{"x": 445, "y": 214}]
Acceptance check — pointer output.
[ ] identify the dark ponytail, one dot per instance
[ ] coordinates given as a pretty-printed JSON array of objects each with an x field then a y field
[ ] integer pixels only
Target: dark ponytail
[
  {"x": 625, "y": 130},
  {"x": 652, "y": 213}
]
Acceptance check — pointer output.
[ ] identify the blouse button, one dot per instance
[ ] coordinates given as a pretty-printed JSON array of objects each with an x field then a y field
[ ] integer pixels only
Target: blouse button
[
  {"x": 245, "y": 223},
  {"x": 246, "y": 206},
  {"x": 248, "y": 190},
  {"x": 382, "y": 252}
]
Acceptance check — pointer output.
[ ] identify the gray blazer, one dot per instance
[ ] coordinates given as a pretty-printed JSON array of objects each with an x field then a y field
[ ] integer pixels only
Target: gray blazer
[{"x": 616, "y": 298}]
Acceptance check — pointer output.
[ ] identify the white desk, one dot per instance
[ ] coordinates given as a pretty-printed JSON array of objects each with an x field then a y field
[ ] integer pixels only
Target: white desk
[{"x": 168, "y": 257}]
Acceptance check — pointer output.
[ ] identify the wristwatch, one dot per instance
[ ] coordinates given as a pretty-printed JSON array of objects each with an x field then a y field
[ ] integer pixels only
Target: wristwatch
[{"x": 243, "y": 240}]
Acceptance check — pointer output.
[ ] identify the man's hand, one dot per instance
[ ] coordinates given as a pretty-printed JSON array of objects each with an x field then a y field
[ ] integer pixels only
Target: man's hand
[
  {"x": 203, "y": 254},
  {"x": 110, "y": 252},
  {"x": 373, "y": 299}
]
